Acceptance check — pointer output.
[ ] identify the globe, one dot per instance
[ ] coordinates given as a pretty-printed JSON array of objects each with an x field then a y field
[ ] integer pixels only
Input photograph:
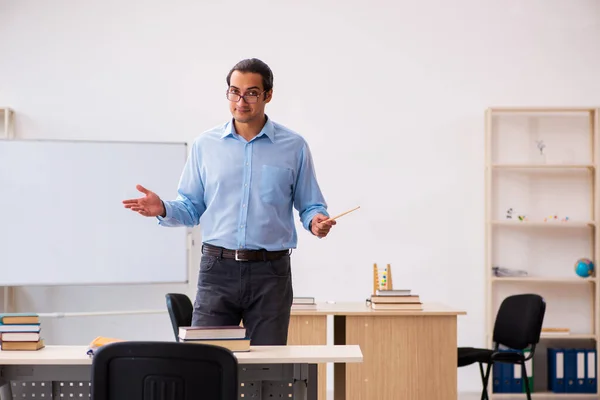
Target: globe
[{"x": 584, "y": 267}]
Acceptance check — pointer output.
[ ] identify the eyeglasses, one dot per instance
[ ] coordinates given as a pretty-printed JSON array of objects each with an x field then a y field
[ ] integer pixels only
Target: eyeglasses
[{"x": 248, "y": 98}]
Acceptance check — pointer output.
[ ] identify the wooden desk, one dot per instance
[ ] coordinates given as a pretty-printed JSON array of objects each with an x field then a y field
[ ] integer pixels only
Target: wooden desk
[
  {"x": 407, "y": 354},
  {"x": 72, "y": 365}
]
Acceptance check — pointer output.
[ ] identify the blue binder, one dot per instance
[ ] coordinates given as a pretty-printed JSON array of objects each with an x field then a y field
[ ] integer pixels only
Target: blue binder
[
  {"x": 570, "y": 371},
  {"x": 510, "y": 377},
  {"x": 497, "y": 377},
  {"x": 591, "y": 371},
  {"x": 580, "y": 370},
  {"x": 556, "y": 370}
]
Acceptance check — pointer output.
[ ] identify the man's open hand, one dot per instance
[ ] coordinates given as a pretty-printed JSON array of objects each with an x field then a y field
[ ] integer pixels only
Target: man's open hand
[{"x": 149, "y": 206}]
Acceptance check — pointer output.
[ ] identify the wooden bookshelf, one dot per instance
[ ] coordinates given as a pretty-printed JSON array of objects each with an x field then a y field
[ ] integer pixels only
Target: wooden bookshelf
[{"x": 538, "y": 162}]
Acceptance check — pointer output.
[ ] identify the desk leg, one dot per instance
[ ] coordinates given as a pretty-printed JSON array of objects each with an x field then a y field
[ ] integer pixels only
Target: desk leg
[
  {"x": 405, "y": 357},
  {"x": 313, "y": 382},
  {"x": 311, "y": 330},
  {"x": 5, "y": 390}
]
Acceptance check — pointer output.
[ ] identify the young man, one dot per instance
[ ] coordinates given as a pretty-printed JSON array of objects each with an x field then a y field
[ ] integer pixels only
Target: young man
[{"x": 241, "y": 183}]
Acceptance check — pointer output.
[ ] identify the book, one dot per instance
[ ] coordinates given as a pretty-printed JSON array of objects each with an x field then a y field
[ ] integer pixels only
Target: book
[
  {"x": 397, "y": 306},
  {"x": 303, "y": 300},
  {"x": 98, "y": 342},
  {"x": 393, "y": 292},
  {"x": 211, "y": 332},
  {"x": 19, "y": 318},
  {"x": 20, "y": 328},
  {"x": 304, "y": 303},
  {"x": 304, "y": 306},
  {"x": 25, "y": 346},
  {"x": 20, "y": 336},
  {"x": 396, "y": 299},
  {"x": 231, "y": 344},
  {"x": 555, "y": 331}
]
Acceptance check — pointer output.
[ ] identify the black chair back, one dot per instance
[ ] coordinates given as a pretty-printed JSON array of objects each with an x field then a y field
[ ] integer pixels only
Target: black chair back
[
  {"x": 180, "y": 309},
  {"x": 519, "y": 321},
  {"x": 164, "y": 371}
]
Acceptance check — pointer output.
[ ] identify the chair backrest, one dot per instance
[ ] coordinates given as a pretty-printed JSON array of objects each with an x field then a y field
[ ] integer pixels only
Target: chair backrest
[
  {"x": 519, "y": 321},
  {"x": 180, "y": 309},
  {"x": 164, "y": 371}
]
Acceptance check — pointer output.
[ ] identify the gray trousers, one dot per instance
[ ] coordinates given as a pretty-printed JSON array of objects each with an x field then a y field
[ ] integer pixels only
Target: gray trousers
[{"x": 257, "y": 293}]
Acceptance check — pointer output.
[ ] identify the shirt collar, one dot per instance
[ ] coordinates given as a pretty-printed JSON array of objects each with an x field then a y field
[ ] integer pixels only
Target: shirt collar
[{"x": 267, "y": 130}]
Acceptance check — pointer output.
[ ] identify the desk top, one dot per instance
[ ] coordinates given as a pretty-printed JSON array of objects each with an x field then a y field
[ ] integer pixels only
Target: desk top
[
  {"x": 76, "y": 355},
  {"x": 362, "y": 309}
]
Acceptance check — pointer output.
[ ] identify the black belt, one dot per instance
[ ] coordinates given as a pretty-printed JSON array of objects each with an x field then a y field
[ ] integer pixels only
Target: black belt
[{"x": 243, "y": 254}]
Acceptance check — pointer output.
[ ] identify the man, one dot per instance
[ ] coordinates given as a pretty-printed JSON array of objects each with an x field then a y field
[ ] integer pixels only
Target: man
[{"x": 241, "y": 183}]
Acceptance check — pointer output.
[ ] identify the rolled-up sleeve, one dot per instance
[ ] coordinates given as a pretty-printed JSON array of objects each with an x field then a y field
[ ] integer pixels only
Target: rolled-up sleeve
[
  {"x": 189, "y": 205},
  {"x": 308, "y": 198}
]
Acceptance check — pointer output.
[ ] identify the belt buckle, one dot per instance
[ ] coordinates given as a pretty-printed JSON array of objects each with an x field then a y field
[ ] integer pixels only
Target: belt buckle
[{"x": 237, "y": 258}]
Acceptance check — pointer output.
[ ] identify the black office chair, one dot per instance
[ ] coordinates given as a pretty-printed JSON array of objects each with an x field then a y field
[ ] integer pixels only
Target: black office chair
[
  {"x": 164, "y": 371},
  {"x": 180, "y": 309},
  {"x": 518, "y": 327}
]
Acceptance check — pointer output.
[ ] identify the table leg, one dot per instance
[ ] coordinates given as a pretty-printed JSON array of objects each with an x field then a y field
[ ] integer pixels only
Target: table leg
[
  {"x": 5, "y": 390},
  {"x": 311, "y": 330},
  {"x": 313, "y": 382}
]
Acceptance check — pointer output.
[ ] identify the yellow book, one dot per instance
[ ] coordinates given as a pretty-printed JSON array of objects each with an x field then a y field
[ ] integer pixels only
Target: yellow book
[{"x": 99, "y": 342}]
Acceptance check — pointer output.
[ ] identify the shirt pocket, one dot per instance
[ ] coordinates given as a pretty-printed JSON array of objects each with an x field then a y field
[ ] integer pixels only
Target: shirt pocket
[{"x": 275, "y": 184}]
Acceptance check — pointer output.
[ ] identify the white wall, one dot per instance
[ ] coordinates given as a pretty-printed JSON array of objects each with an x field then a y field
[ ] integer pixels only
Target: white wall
[{"x": 390, "y": 95}]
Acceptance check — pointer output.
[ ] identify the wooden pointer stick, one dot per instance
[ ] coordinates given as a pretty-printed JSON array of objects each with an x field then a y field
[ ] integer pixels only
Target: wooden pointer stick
[{"x": 342, "y": 214}]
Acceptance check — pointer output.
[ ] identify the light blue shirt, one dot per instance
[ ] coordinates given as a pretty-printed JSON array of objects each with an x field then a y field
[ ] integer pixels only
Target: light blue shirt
[{"x": 243, "y": 193}]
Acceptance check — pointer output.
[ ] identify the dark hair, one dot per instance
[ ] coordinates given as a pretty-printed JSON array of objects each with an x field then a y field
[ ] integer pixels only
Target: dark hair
[{"x": 256, "y": 66}]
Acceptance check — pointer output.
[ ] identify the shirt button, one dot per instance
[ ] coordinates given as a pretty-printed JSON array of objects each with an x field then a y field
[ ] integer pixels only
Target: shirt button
[
  {"x": 246, "y": 185},
  {"x": 243, "y": 205},
  {"x": 241, "y": 226}
]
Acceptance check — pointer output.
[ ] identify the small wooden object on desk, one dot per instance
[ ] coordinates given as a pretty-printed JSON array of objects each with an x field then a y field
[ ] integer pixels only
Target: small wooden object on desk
[
  {"x": 382, "y": 280},
  {"x": 384, "y": 297}
]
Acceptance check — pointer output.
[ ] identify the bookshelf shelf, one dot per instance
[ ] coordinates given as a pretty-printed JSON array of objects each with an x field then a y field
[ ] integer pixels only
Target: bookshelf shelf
[
  {"x": 572, "y": 336},
  {"x": 548, "y": 225},
  {"x": 540, "y": 168},
  {"x": 543, "y": 166},
  {"x": 541, "y": 279}
]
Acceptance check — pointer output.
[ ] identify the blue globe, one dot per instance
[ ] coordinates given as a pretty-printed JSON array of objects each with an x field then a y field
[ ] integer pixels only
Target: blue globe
[{"x": 584, "y": 267}]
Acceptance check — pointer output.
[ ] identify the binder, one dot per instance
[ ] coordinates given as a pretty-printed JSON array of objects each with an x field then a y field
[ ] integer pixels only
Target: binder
[
  {"x": 591, "y": 371},
  {"x": 570, "y": 370},
  {"x": 516, "y": 384},
  {"x": 556, "y": 370},
  {"x": 497, "y": 378},
  {"x": 507, "y": 376},
  {"x": 580, "y": 371}
]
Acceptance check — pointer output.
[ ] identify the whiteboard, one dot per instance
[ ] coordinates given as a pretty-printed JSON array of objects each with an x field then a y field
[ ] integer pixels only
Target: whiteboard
[{"x": 63, "y": 221}]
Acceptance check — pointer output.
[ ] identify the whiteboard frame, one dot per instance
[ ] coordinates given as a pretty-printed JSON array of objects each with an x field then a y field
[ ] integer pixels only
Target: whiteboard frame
[{"x": 8, "y": 292}]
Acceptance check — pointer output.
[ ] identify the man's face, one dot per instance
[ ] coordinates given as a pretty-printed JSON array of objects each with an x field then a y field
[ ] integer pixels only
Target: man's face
[{"x": 248, "y": 84}]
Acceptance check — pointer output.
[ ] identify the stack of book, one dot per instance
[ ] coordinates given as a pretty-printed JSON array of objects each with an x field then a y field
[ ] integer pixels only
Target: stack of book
[
  {"x": 231, "y": 337},
  {"x": 399, "y": 299},
  {"x": 304, "y": 303},
  {"x": 20, "y": 332}
]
